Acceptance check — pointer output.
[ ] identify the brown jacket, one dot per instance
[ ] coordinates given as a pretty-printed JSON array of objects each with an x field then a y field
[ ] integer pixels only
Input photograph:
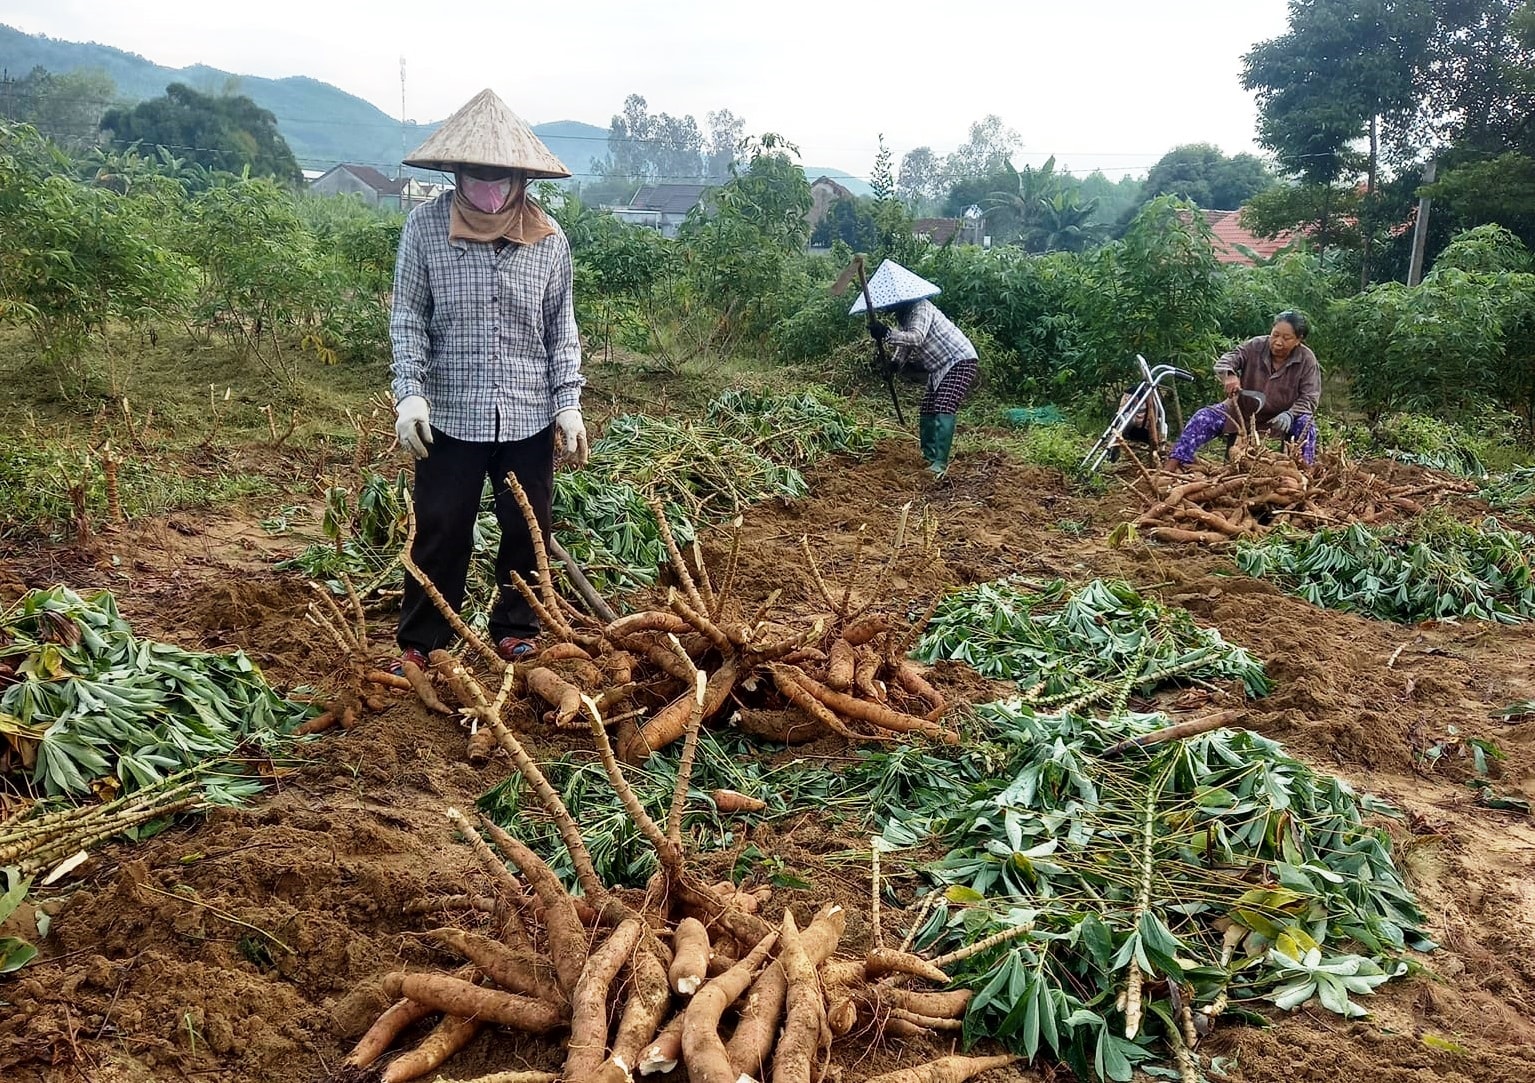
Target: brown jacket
[{"x": 1296, "y": 387}]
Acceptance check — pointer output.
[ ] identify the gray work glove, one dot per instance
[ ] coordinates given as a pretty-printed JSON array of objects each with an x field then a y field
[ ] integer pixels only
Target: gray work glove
[
  {"x": 412, "y": 427},
  {"x": 1281, "y": 423}
]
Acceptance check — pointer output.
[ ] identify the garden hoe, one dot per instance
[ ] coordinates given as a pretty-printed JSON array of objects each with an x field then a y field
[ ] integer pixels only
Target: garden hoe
[{"x": 856, "y": 270}]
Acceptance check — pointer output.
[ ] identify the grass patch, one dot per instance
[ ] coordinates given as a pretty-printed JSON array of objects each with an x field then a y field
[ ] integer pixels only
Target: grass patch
[
  {"x": 44, "y": 484},
  {"x": 188, "y": 389}
]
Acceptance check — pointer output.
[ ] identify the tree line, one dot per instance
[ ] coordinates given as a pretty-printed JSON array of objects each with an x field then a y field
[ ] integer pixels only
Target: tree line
[
  {"x": 1357, "y": 96},
  {"x": 126, "y": 243}
]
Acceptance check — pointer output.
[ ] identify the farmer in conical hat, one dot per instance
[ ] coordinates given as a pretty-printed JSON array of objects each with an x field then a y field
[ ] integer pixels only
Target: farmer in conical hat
[
  {"x": 926, "y": 340},
  {"x": 487, "y": 365}
]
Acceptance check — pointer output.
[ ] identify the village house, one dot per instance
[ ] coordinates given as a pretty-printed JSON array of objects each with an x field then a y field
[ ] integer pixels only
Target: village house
[
  {"x": 416, "y": 192},
  {"x": 662, "y": 207},
  {"x": 942, "y": 231},
  {"x": 1233, "y": 244},
  {"x": 362, "y": 181},
  {"x": 823, "y": 193}
]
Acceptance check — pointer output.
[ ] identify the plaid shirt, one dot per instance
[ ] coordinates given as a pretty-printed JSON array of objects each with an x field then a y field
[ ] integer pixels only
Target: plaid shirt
[
  {"x": 487, "y": 337},
  {"x": 928, "y": 340}
]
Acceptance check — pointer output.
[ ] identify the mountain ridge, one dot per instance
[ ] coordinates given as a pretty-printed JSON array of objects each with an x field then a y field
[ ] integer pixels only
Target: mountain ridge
[{"x": 323, "y": 124}]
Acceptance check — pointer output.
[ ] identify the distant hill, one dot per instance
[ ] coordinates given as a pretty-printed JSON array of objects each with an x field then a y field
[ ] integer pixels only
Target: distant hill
[
  {"x": 322, "y": 123},
  {"x": 575, "y": 143}
]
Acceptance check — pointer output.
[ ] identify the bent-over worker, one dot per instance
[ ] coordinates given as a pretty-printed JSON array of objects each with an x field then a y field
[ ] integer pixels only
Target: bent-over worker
[{"x": 925, "y": 340}]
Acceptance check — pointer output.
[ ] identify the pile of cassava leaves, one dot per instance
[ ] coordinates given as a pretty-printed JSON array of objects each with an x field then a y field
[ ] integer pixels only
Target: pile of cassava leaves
[
  {"x": 1432, "y": 568},
  {"x": 1141, "y": 896},
  {"x": 1513, "y": 491},
  {"x": 103, "y": 735},
  {"x": 87, "y": 709},
  {"x": 1074, "y": 649}
]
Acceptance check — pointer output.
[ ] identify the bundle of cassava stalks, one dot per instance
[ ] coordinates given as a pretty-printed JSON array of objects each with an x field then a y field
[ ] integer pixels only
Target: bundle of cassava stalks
[
  {"x": 791, "y": 679},
  {"x": 684, "y": 973},
  {"x": 1257, "y": 489}
]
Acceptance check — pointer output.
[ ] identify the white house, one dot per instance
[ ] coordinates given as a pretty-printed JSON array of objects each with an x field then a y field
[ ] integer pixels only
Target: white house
[
  {"x": 661, "y": 206},
  {"x": 362, "y": 181}
]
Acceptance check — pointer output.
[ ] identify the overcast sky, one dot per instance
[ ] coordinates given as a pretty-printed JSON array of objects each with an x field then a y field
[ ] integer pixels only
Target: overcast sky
[{"x": 1100, "y": 83}]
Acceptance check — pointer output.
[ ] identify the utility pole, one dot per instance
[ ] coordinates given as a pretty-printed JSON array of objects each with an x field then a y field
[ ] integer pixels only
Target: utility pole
[
  {"x": 1420, "y": 228},
  {"x": 404, "y": 150}
]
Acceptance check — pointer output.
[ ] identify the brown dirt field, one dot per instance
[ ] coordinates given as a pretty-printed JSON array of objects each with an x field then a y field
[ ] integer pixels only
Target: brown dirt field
[{"x": 249, "y": 946}]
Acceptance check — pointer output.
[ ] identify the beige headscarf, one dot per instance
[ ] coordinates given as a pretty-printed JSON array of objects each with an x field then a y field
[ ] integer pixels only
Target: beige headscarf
[{"x": 521, "y": 221}]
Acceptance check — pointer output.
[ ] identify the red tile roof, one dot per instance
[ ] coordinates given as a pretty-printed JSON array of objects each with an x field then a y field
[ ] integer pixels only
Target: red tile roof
[{"x": 1226, "y": 226}]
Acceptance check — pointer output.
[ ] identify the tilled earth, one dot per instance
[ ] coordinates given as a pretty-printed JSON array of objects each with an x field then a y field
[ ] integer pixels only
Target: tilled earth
[{"x": 249, "y": 945}]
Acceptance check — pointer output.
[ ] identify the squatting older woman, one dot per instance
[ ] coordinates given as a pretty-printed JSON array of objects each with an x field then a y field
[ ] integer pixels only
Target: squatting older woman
[{"x": 1282, "y": 367}]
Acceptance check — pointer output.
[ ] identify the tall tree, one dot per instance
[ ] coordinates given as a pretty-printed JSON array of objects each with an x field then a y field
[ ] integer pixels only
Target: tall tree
[
  {"x": 975, "y": 191},
  {"x": 1201, "y": 174},
  {"x": 725, "y": 130},
  {"x": 920, "y": 179},
  {"x": 677, "y": 148},
  {"x": 1065, "y": 223},
  {"x": 1342, "y": 71},
  {"x": 654, "y": 147},
  {"x": 227, "y": 133},
  {"x": 990, "y": 145},
  {"x": 1478, "y": 117},
  {"x": 1112, "y": 198},
  {"x": 66, "y": 108},
  {"x": 1479, "y": 76},
  {"x": 627, "y": 135},
  {"x": 850, "y": 220},
  {"x": 1038, "y": 210}
]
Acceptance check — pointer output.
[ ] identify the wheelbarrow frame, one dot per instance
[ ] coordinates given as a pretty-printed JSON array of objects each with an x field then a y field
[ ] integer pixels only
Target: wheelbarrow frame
[{"x": 1148, "y": 390}]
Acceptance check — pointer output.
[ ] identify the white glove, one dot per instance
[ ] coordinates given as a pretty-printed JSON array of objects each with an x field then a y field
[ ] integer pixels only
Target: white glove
[
  {"x": 411, "y": 427},
  {"x": 571, "y": 431}
]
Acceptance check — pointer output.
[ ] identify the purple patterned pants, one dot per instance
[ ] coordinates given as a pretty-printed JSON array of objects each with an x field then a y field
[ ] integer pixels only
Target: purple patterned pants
[
  {"x": 952, "y": 390},
  {"x": 1210, "y": 422}
]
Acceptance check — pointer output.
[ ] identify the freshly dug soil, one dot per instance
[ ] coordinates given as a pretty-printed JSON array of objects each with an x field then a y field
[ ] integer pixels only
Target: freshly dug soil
[{"x": 249, "y": 945}]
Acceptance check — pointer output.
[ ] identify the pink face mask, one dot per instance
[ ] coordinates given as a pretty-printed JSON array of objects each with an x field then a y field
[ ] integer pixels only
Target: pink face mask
[{"x": 488, "y": 196}]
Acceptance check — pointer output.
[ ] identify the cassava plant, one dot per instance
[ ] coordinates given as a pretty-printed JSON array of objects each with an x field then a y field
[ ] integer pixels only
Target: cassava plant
[
  {"x": 569, "y": 964},
  {"x": 1119, "y": 892}
]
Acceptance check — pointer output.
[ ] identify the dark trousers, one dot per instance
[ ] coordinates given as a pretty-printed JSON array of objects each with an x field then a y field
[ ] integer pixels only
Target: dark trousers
[{"x": 447, "y": 497}]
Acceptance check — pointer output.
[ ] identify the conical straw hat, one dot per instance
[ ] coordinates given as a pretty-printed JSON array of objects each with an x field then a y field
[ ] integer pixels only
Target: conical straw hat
[
  {"x": 894, "y": 285},
  {"x": 486, "y": 132}
]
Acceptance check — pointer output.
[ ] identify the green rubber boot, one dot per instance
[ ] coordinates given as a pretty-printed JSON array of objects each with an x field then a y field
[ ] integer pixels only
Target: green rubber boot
[
  {"x": 943, "y": 441},
  {"x": 927, "y": 432}
]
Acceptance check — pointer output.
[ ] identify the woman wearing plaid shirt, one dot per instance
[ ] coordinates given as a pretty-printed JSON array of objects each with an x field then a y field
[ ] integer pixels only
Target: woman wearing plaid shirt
[
  {"x": 925, "y": 340},
  {"x": 487, "y": 365}
]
